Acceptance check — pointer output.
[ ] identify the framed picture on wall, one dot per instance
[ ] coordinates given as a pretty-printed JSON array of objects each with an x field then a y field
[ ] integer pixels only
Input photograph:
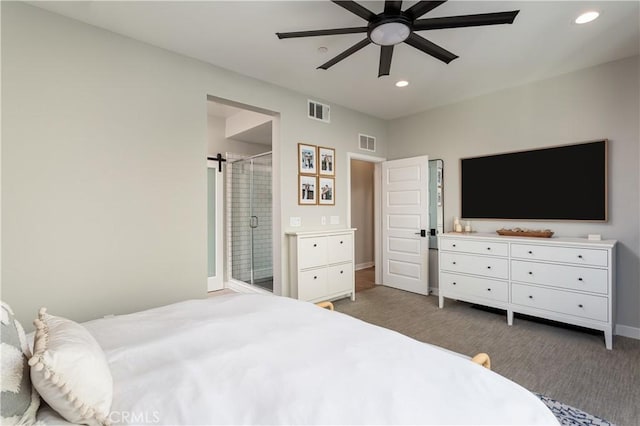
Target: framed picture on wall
[
  {"x": 307, "y": 193},
  {"x": 327, "y": 160},
  {"x": 327, "y": 193},
  {"x": 307, "y": 159}
]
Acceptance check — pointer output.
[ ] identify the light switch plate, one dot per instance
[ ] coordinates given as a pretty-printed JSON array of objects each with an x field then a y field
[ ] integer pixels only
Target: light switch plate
[
  {"x": 295, "y": 221},
  {"x": 335, "y": 220},
  {"x": 323, "y": 220}
]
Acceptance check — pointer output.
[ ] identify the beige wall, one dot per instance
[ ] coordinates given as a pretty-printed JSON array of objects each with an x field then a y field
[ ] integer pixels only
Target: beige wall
[
  {"x": 595, "y": 103},
  {"x": 104, "y": 145},
  {"x": 362, "y": 209}
]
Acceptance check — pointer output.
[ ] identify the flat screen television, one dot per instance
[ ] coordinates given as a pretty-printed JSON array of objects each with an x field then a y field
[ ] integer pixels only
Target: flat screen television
[{"x": 559, "y": 183}]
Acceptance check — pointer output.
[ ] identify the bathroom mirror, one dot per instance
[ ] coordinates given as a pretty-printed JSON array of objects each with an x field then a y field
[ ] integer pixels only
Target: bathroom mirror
[{"x": 436, "y": 201}]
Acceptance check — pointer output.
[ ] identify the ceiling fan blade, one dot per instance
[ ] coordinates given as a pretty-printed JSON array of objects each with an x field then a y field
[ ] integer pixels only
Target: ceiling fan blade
[
  {"x": 422, "y": 7},
  {"x": 430, "y": 48},
  {"x": 465, "y": 21},
  {"x": 392, "y": 7},
  {"x": 350, "y": 51},
  {"x": 315, "y": 33},
  {"x": 386, "y": 53},
  {"x": 356, "y": 9}
]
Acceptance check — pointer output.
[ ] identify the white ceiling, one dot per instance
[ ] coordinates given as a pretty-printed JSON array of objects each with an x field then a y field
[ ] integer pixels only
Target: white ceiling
[
  {"x": 216, "y": 109},
  {"x": 260, "y": 134},
  {"x": 239, "y": 35}
]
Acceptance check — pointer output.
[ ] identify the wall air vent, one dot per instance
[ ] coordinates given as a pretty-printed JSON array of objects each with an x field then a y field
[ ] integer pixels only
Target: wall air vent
[
  {"x": 318, "y": 111},
  {"x": 367, "y": 143}
]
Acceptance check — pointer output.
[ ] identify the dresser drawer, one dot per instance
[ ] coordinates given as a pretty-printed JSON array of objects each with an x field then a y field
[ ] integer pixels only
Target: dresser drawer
[
  {"x": 572, "y": 277},
  {"x": 562, "y": 302},
  {"x": 339, "y": 248},
  {"x": 312, "y": 284},
  {"x": 312, "y": 252},
  {"x": 579, "y": 256},
  {"x": 493, "y": 267},
  {"x": 478, "y": 247},
  {"x": 340, "y": 278},
  {"x": 462, "y": 285}
]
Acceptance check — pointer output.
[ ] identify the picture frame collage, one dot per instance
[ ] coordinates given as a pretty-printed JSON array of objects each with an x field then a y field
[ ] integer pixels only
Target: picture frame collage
[{"x": 316, "y": 175}]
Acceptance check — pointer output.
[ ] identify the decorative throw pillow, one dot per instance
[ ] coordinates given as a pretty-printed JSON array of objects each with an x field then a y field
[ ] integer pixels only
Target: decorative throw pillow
[
  {"x": 70, "y": 371},
  {"x": 19, "y": 400}
]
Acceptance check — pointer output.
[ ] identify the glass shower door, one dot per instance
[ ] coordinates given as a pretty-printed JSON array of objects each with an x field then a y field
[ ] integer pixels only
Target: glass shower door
[
  {"x": 260, "y": 223},
  {"x": 250, "y": 220}
]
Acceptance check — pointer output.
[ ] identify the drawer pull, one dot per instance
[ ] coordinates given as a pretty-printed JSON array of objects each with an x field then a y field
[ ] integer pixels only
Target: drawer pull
[
  {"x": 341, "y": 242},
  {"x": 530, "y": 297},
  {"x": 315, "y": 277},
  {"x": 530, "y": 273},
  {"x": 488, "y": 248},
  {"x": 342, "y": 272},
  {"x": 453, "y": 245},
  {"x": 580, "y": 279},
  {"x": 454, "y": 283},
  {"x": 488, "y": 267},
  {"x": 315, "y": 245},
  {"x": 580, "y": 306},
  {"x": 530, "y": 252},
  {"x": 454, "y": 263},
  {"x": 488, "y": 289},
  {"x": 579, "y": 256}
]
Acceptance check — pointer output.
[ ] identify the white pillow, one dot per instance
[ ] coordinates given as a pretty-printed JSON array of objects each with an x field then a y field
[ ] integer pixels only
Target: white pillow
[{"x": 70, "y": 371}]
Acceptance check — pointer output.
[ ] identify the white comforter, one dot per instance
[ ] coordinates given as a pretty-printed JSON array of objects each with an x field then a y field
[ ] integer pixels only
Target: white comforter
[{"x": 253, "y": 359}]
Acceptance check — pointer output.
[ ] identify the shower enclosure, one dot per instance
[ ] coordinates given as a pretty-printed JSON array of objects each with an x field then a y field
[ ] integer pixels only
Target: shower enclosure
[{"x": 250, "y": 218}]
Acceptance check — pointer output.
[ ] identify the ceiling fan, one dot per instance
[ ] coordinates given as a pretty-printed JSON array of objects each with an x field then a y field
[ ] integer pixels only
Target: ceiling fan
[{"x": 394, "y": 26}]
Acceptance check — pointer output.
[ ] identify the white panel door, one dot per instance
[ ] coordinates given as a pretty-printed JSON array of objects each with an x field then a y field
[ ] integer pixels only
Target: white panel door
[{"x": 405, "y": 213}]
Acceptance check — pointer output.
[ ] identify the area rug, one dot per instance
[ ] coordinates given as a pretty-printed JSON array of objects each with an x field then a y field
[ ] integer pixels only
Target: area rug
[{"x": 571, "y": 416}]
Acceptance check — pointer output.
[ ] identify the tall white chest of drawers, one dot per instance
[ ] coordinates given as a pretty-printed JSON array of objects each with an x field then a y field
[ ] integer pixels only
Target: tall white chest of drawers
[
  {"x": 571, "y": 280},
  {"x": 321, "y": 264}
]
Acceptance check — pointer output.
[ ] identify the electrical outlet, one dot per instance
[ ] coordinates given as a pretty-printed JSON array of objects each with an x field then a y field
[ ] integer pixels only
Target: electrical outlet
[
  {"x": 323, "y": 220},
  {"x": 295, "y": 221},
  {"x": 334, "y": 220}
]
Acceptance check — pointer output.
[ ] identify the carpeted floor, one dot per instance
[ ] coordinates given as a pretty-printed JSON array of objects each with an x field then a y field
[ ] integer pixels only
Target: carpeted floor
[{"x": 566, "y": 364}]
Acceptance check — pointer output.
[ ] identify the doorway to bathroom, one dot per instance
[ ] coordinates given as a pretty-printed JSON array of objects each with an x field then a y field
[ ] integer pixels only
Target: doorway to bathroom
[{"x": 241, "y": 195}]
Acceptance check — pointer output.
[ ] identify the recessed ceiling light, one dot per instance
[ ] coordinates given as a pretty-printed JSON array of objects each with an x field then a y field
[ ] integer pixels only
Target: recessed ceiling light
[
  {"x": 402, "y": 83},
  {"x": 587, "y": 17}
]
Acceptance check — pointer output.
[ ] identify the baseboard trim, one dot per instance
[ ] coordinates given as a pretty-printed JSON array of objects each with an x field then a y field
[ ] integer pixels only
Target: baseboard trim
[
  {"x": 365, "y": 265},
  {"x": 240, "y": 287},
  {"x": 627, "y": 331}
]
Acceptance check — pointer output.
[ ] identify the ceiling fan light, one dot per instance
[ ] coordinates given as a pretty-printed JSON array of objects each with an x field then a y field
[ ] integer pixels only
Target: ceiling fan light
[
  {"x": 402, "y": 83},
  {"x": 587, "y": 17},
  {"x": 390, "y": 33}
]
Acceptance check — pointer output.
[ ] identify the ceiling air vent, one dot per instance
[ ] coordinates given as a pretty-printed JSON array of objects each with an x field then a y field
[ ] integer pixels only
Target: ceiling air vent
[
  {"x": 318, "y": 111},
  {"x": 367, "y": 143}
]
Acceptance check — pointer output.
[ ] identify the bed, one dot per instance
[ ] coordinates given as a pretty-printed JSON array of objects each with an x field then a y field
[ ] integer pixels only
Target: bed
[{"x": 256, "y": 359}]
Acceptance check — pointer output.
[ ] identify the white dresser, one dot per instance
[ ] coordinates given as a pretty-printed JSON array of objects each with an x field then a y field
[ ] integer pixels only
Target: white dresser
[
  {"x": 569, "y": 280},
  {"x": 321, "y": 264}
]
